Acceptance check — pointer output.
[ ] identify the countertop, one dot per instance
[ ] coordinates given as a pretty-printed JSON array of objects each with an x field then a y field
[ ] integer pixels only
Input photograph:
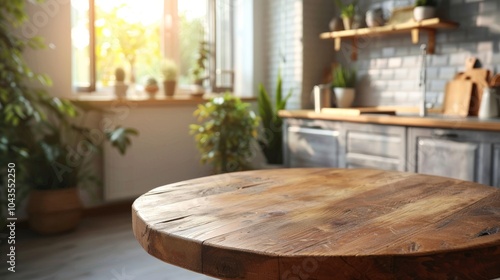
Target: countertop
[{"x": 432, "y": 121}]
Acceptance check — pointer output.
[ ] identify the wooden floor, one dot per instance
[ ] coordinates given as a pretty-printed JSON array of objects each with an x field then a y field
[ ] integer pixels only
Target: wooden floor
[{"x": 101, "y": 248}]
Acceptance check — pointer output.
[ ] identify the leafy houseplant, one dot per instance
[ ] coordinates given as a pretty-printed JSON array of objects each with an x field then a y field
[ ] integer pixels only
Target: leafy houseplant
[
  {"x": 424, "y": 9},
  {"x": 343, "y": 83},
  {"x": 225, "y": 136},
  {"x": 271, "y": 142},
  {"x": 347, "y": 12},
  {"x": 199, "y": 70},
  {"x": 169, "y": 71},
  {"x": 36, "y": 128}
]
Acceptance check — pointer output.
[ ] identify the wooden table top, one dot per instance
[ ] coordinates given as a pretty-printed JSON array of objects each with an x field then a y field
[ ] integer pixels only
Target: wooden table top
[{"x": 324, "y": 224}]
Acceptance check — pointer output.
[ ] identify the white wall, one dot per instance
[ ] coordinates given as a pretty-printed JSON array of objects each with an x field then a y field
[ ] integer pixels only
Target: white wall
[
  {"x": 163, "y": 153},
  {"x": 52, "y": 21}
]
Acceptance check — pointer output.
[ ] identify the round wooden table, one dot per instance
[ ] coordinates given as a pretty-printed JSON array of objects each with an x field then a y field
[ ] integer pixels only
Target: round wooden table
[{"x": 324, "y": 224}]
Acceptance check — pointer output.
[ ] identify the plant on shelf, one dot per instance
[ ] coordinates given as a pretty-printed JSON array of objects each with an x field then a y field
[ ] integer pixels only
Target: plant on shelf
[
  {"x": 343, "y": 83},
  {"x": 39, "y": 136},
  {"x": 225, "y": 136},
  {"x": 120, "y": 85},
  {"x": 170, "y": 72},
  {"x": 347, "y": 12},
  {"x": 151, "y": 87},
  {"x": 271, "y": 140},
  {"x": 424, "y": 9},
  {"x": 199, "y": 70}
]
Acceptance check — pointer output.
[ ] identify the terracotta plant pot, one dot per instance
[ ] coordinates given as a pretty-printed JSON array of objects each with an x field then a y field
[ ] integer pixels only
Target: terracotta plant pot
[
  {"x": 54, "y": 211},
  {"x": 151, "y": 90},
  {"x": 344, "y": 97},
  {"x": 423, "y": 12},
  {"x": 169, "y": 87}
]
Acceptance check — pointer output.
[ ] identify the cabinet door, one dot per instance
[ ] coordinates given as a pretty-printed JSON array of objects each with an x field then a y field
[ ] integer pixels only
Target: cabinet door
[
  {"x": 496, "y": 166},
  {"x": 447, "y": 158},
  {"x": 460, "y": 154},
  {"x": 311, "y": 145},
  {"x": 375, "y": 146}
]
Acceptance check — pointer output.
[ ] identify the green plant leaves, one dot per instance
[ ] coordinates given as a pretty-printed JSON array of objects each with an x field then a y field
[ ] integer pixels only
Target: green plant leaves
[
  {"x": 225, "y": 134},
  {"x": 120, "y": 138},
  {"x": 271, "y": 136},
  {"x": 343, "y": 77}
]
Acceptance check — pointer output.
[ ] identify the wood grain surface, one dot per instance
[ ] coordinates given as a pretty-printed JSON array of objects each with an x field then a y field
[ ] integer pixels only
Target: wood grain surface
[{"x": 324, "y": 224}]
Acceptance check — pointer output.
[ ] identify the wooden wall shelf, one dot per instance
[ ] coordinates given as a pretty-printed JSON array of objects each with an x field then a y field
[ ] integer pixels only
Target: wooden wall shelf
[{"x": 412, "y": 27}]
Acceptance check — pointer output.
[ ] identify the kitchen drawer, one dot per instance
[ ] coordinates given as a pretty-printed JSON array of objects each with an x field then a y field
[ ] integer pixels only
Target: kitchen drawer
[
  {"x": 375, "y": 146},
  {"x": 311, "y": 144}
]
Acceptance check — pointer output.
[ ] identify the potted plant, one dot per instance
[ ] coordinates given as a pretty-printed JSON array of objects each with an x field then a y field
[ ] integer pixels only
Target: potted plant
[
  {"x": 151, "y": 87},
  {"x": 271, "y": 141},
  {"x": 424, "y": 9},
  {"x": 120, "y": 85},
  {"x": 347, "y": 13},
  {"x": 61, "y": 158},
  {"x": 169, "y": 71},
  {"x": 31, "y": 121},
  {"x": 224, "y": 138},
  {"x": 199, "y": 70},
  {"x": 343, "y": 83}
]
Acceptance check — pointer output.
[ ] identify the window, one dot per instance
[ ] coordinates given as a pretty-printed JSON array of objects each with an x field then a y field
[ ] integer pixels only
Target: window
[{"x": 138, "y": 36}]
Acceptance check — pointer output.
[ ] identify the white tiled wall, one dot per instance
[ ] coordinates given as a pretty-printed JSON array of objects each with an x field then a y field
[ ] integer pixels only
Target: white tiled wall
[
  {"x": 293, "y": 44},
  {"x": 388, "y": 66}
]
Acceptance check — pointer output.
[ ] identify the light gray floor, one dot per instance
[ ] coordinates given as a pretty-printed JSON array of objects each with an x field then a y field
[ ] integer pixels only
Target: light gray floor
[{"x": 101, "y": 248}]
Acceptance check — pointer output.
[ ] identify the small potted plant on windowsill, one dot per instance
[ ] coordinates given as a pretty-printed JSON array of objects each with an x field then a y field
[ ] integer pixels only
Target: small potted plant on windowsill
[
  {"x": 120, "y": 85},
  {"x": 151, "y": 87},
  {"x": 225, "y": 137},
  {"x": 343, "y": 83},
  {"x": 169, "y": 70},
  {"x": 347, "y": 13},
  {"x": 424, "y": 9}
]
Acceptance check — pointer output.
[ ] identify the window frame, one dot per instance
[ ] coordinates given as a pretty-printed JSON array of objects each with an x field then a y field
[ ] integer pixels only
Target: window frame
[{"x": 171, "y": 50}]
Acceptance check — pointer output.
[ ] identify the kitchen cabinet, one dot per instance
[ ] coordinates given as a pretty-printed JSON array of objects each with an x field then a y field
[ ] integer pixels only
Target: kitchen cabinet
[
  {"x": 354, "y": 142},
  {"x": 374, "y": 146},
  {"x": 312, "y": 143},
  {"x": 461, "y": 154}
]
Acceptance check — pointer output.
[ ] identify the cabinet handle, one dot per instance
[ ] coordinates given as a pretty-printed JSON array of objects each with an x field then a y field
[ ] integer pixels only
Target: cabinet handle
[
  {"x": 443, "y": 134},
  {"x": 309, "y": 130}
]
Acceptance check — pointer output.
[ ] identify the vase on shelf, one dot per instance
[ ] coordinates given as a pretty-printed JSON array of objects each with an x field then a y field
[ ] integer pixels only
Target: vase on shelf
[{"x": 344, "y": 96}]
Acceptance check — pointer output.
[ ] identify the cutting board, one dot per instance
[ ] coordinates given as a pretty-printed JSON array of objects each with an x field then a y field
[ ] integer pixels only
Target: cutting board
[
  {"x": 480, "y": 77},
  {"x": 457, "y": 98}
]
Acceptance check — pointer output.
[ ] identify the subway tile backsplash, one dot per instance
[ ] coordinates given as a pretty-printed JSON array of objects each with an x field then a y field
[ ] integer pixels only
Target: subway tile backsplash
[
  {"x": 388, "y": 66},
  {"x": 478, "y": 35}
]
